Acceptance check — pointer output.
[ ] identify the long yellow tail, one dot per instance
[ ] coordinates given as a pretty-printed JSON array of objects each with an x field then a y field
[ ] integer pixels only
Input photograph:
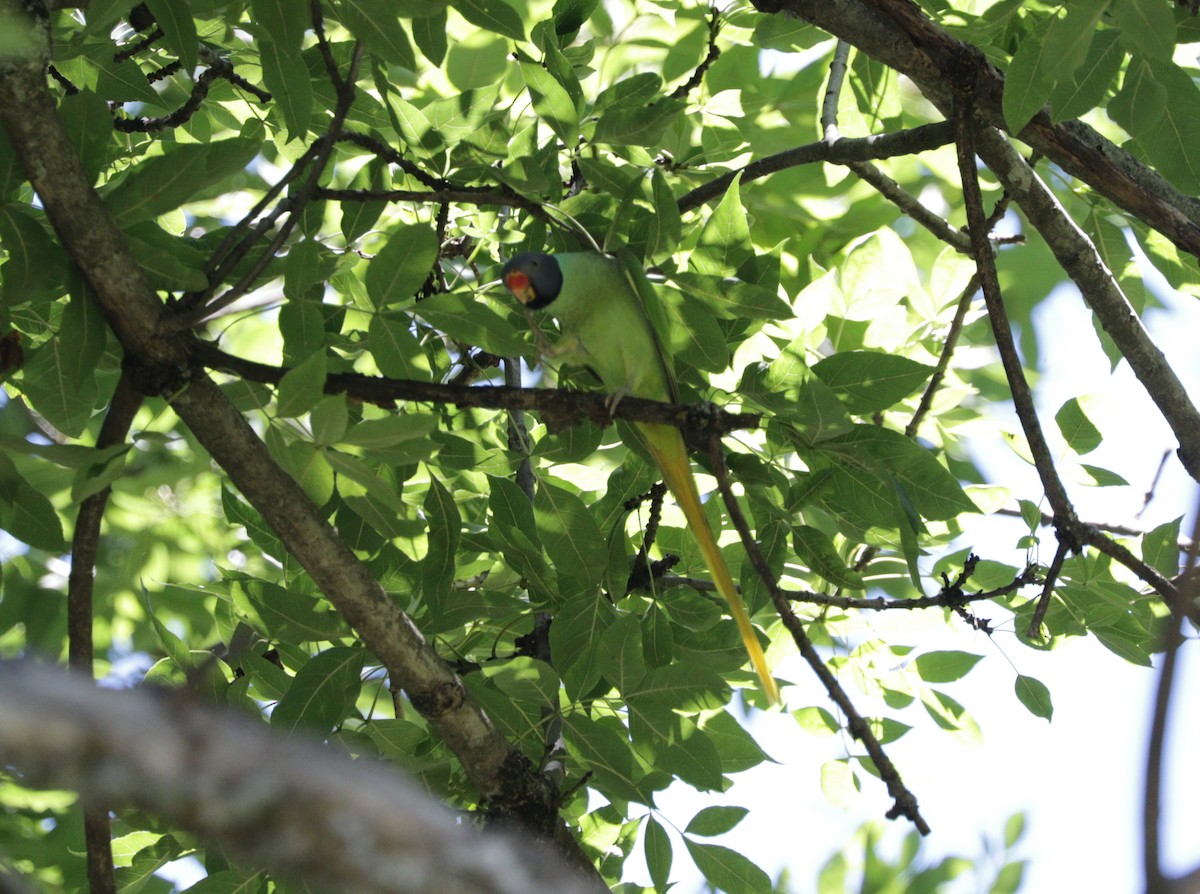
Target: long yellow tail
[{"x": 666, "y": 446}]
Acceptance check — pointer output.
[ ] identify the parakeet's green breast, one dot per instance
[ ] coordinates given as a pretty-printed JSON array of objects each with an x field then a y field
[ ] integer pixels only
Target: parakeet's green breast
[{"x": 598, "y": 307}]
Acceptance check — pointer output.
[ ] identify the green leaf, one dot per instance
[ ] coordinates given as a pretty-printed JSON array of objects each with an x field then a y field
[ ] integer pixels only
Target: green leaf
[
  {"x": 733, "y": 298},
  {"x": 179, "y": 30},
  {"x": 88, "y": 123},
  {"x": 379, "y": 434},
  {"x": 728, "y": 870},
  {"x": 322, "y": 693},
  {"x": 712, "y": 821},
  {"x": 665, "y": 226},
  {"x": 228, "y": 881},
  {"x": 31, "y": 518},
  {"x": 279, "y": 20},
  {"x": 285, "y": 74},
  {"x": 604, "y": 751},
  {"x": 172, "y": 645},
  {"x": 1035, "y": 696},
  {"x": 445, "y": 524},
  {"x": 1103, "y": 477},
  {"x": 577, "y": 628},
  {"x": 637, "y": 126},
  {"x": 494, "y": 15},
  {"x": 693, "y": 759},
  {"x": 738, "y": 749},
  {"x": 1160, "y": 547},
  {"x": 571, "y": 537},
  {"x": 107, "y": 467},
  {"x": 1159, "y": 104},
  {"x": 933, "y": 490},
  {"x": 430, "y": 34},
  {"x": 1088, "y": 85},
  {"x": 945, "y": 666},
  {"x": 817, "y": 551},
  {"x": 402, "y": 266},
  {"x": 657, "y": 848},
  {"x": 1147, "y": 27},
  {"x": 620, "y": 653},
  {"x": 724, "y": 244},
  {"x": 871, "y": 381},
  {"x": 948, "y": 714},
  {"x": 146, "y": 862},
  {"x": 164, "y": 182},
  {"x": 170, "y": 264},
  {"x": 1078, "y": 431},
  {"x": 1028, "y": 81},
  {"x": 473, "y": 323},
  {"x": 1070, "y": 36},
  {"x": 301, "y": 387},
  {"x": 36, "y": 266},
  {"x": 60, "y": 389},
  {"x": 291, "y": 615},
  {"x": 377, "y": 24},
  {"x": 551, "y": 101}
]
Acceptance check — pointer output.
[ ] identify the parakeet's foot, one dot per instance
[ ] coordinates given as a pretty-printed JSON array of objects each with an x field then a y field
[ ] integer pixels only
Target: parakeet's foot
[{"x": 613, "y": 400}]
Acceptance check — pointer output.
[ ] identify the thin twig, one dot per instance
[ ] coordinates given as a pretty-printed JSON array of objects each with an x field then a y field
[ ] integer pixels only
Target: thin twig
[
  {"x": 1034, "y": 630},
  {"x": 905, "y": 142},
  {"x": 1156, "y": 881},
  {"x": 85, "y": 545},
  {"x": 905, "y": 803},
  {"x": 559, "y": 407},
  {"x": 296, "y": 204},
  {"x": 714, "y": 51},
  {"x": 939, "y": 371},
  {"x": 948, "y": 597},
  {"x": 1064, "y": 512}
]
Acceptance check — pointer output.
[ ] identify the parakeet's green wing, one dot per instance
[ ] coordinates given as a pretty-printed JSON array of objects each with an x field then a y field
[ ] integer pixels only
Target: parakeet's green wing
[{"x": 652, "y": 306}]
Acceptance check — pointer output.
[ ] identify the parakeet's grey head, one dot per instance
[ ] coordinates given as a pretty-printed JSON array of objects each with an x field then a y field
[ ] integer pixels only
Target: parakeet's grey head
[{"x": 534, "y": 278}]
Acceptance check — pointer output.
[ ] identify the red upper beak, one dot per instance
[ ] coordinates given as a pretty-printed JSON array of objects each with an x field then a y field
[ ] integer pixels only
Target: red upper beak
[{"x": 518, "y": 283}]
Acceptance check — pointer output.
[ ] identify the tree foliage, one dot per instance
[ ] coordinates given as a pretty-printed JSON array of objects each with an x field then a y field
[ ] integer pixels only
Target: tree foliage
[{"x": 258, "y": 375}]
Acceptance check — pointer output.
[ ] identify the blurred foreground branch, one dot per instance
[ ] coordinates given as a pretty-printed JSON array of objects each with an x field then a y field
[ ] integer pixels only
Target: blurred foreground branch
[{"x": 283, "y": 804}]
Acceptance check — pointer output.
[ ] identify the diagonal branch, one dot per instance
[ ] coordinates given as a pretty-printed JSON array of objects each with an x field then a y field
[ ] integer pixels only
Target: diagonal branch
[{"x": 905, "y": 802}]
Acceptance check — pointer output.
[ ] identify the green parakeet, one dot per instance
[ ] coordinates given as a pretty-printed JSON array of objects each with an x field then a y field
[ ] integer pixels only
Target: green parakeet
[{"x": 607, "y": 327}]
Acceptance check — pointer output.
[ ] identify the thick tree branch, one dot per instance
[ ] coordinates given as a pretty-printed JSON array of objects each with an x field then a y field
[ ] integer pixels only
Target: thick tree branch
[{"x": 299, "y": 810}]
